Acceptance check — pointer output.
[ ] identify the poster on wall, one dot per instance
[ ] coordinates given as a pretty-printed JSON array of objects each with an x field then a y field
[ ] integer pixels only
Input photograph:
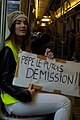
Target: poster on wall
[{"x": 50, "y": 75}]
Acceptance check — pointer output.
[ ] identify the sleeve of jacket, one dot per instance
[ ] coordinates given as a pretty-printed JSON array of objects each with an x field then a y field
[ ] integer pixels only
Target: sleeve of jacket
[{"x": 7, "y": 70}]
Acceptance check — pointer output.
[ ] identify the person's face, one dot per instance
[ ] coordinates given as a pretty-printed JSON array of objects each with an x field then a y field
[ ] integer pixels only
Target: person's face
[{"x": 21, "y": 27}]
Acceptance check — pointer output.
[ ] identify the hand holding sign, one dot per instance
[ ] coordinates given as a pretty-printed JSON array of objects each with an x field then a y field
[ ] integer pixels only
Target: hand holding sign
[
  {"x": 49, "y": 54},
  {"x": 31, "y": 89}
]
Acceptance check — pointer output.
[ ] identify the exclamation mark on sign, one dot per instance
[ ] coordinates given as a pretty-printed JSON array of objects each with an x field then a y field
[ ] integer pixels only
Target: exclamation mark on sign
[
  {"x": 79, "y": 82},
  {"x": 76, "y": 78}
]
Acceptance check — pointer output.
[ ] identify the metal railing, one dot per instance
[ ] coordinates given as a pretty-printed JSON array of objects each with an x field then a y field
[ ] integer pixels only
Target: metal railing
[{"x": 3, "y": 22}]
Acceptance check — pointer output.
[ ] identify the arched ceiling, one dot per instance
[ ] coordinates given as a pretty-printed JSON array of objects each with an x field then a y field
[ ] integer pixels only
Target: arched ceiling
[{"x": 45, "y": 5}]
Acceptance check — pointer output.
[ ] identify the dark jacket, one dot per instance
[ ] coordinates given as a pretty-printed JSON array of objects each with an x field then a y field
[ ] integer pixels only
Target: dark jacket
[{"x": 7, "y": 70}]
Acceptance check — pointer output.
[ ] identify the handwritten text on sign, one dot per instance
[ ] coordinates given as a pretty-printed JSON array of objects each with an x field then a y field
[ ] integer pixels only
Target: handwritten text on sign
[{"x": 51, "y": 75}]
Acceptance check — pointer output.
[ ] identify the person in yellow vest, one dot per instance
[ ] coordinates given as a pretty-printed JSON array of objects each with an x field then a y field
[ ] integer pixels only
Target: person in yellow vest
[{"x": 18, "y": 100}]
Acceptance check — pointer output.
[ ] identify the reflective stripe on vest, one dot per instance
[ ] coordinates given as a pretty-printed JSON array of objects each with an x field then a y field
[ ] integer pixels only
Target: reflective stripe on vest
[{"x": 6, "y": 98}]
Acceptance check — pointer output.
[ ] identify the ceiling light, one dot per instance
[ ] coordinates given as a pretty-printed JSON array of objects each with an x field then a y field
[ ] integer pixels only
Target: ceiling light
[
  {"x": 36, "y": 6},
  {"x": 43, "y": 24},
  {"x": 45, "y": 20}
]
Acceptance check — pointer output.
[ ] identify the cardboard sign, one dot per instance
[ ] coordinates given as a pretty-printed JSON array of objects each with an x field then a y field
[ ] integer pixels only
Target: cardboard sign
[{"x": 50, "y": 75}]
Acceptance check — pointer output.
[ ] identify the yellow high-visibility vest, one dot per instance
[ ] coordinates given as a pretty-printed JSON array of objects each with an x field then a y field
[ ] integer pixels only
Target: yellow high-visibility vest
[{"x": 6, "y": 98}]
